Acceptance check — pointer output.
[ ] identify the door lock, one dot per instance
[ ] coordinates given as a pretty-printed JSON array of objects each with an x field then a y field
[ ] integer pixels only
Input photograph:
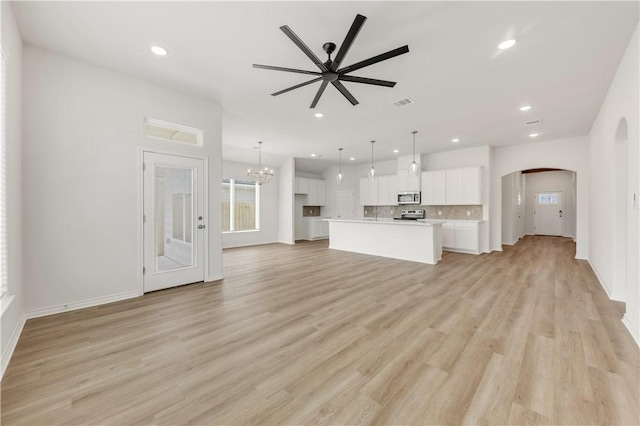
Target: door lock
[{"x": 201, "y": 226}]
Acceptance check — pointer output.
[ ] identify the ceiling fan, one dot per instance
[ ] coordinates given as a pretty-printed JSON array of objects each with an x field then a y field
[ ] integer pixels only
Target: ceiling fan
[{"x": 329, "y": 70}]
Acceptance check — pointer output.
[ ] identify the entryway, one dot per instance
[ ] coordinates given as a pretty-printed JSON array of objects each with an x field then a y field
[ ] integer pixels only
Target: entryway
[
  {"x": 174, "y": 220},
  {"x": 548, "y": 213}
]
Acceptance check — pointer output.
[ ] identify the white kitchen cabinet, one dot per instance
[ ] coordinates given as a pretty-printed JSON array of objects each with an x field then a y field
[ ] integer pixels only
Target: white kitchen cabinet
[
  {"x": 317, "y": 192},
  {"x": 461, "y": 236},
  {"x": 388, "y": 190},
  {"x": 454, "y": 187},
  {"x": 471, "y": 186},
  {"x": 448, "y": 239},
  {"x": 301, "y": 185},
  {"x": 434, "y": 188},
  {"x": 316, "y": 228},
  {"x": 368, "y": 192},
  {"x": 407, "y": 183}
]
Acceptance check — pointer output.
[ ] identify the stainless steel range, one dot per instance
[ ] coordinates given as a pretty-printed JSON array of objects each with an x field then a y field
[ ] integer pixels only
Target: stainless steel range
[{"x": 411, "y": 214}]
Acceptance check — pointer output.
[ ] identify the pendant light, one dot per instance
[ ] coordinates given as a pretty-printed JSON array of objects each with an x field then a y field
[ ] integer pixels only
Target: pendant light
[
  {"x": 260, "y": 175},
  {"x": 339, "y": 177},
  {"x": 414, "y": 168},
  {"x": 372, "y": 172}
]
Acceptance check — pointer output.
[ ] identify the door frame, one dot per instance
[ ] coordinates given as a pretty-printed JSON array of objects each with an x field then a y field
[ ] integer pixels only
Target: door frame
[{"x": 140, "y": 221}]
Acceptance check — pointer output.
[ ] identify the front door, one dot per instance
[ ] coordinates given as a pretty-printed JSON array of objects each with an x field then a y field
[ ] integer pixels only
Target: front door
[
  {"x": 174, "y": 226},
  {"x": 548, "y": 213}
]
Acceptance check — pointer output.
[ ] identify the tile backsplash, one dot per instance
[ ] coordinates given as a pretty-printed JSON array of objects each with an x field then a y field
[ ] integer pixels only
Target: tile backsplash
[
  {"x": 310, "y": 211},
  {"x": 430, "y": 212}
]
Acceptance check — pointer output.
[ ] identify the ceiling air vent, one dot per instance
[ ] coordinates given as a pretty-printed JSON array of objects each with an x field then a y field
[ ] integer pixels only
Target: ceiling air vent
[
  {"x": 534, "y": 122},
  {"x": 402, "y": 102},
  {"x": 173, "y": 132}
]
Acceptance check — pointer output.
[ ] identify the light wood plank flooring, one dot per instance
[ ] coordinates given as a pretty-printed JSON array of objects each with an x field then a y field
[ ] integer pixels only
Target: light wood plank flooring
[{"x": 306, "y": 335}]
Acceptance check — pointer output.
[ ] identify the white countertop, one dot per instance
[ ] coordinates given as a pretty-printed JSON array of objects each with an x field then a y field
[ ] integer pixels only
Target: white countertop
[{"x": 390, "y": 221}]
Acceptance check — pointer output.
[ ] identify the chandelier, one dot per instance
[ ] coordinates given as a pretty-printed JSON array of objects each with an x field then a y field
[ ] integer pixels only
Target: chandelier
[{"x": 260, "y": 175}]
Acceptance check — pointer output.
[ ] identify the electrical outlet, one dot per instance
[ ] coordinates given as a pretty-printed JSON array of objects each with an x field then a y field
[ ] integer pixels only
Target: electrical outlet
[
  {"x": 439, "y": 213},
  {"x": 468, "y": 213}
]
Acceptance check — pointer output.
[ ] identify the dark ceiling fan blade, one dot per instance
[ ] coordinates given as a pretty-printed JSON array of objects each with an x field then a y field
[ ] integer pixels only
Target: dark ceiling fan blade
[
  {"x": 319, "y": 93},
  {"x": 289, "y": 32},
  {"x": 296, "y": 86},
  {"x": 348, "y": 41},
  {"x": 379, "y": 58},
  {"x": 269, "y": 67},
  {"x": 364, "y": 80},
  {"x": 345, "y": 92}
]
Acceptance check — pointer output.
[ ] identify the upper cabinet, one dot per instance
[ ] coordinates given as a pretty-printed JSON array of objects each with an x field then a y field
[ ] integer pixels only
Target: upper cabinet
[
  {"x": 434, "y": 188},
  {"x": 452, "y": 187},
  {"x": 315, "y": 189},
  {"x": 301, "y": 185},
  {"x": 368, "y": 192},
  {"x": 383, "y": 191},
  {"x": 472, "y": 185},
  {"x": 388, "y": 190}
]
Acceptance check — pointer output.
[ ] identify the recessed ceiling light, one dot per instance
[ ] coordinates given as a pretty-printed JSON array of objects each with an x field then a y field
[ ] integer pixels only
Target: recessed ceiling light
[
  {"x": 533, "y": 135},
  {"x": 314, "y": 155},
  {"x": 454, "y": 140},
  {"x": 160, "y": 51},
  {"x": 319, "y": 115},
  {"x": 352, "y": 158},
  {"x": 395, "y": 151},
  {"x": 525, "y": 107},
  {"x": 506, "y": 44}
]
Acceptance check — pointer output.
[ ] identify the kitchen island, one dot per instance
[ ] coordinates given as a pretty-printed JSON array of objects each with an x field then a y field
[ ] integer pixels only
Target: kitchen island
[{"x": 414, "y": 240}]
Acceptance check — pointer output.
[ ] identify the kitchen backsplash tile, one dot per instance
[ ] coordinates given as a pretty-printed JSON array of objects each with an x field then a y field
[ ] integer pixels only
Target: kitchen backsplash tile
[
  {"x": 430, "y": 212},
  {"x": 310, "y": 211}
]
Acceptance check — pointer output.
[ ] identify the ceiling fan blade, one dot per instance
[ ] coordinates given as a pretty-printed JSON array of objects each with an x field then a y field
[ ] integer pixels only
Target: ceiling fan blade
[
  {"x": 269, "y": 67},
  {"x": 364, "y": 80},
  {"x": 289, "y": 32},
  {"x": 348, "y": 41},
  {"x": 379, "y": 58},
  {"x": 345, "y": 92},
  {"x": 319, "y": 93},
  {"x": 296, "y": 86}
]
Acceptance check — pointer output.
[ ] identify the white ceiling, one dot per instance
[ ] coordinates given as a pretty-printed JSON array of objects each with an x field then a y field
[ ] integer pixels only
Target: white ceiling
[{"x": 463, "y": 86}]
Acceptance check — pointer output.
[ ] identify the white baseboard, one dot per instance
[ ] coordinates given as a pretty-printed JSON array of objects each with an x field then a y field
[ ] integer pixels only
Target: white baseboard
[
  {"x": 600, "y": 280},
  {"x": 11, "y": 345},
  {"x": 216, "y": 277},
  {"x": 42, "y": 312},
  {"x": 632, "y": 330}
]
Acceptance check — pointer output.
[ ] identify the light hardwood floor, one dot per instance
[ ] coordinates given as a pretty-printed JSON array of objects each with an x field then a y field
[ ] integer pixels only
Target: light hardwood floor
[{"x": 306, "y": 335}]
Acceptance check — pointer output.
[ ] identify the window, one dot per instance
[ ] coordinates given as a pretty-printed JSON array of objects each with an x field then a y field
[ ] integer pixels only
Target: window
[
  {"x": 240, "y": 205},
  {"x": 548, "y": 199},
  {"x": 4, "y": 276}
]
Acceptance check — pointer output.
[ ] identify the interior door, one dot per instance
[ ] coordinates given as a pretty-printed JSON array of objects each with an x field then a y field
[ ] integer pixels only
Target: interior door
[
  {"x": 345, "y": 203},
  {"x": 174, "y": 226},
  {"x": 548, "y": 213}
]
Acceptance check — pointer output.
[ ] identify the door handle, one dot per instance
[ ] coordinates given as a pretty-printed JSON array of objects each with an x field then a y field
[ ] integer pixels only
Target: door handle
[{"x": 201, "y": 226}]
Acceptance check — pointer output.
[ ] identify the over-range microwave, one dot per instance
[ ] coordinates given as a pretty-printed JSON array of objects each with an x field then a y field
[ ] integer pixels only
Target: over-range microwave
[{"x": 409, "y": 197}]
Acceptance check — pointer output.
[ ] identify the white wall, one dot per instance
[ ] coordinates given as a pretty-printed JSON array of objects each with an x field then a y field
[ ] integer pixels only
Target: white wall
[
  {"x": 622, "y": 101},
  {"x": 286, "y": 223},
  {"x": 269, "y": 192},
  {"x": 512, "y": 212},
  {"x": 478, "y": 156},
  {"x": 568, "y": 154},
  {"x": 82, "y": 133},
  {"x": 13, "y": 305},
  {"x": 552, "y": 181}
]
